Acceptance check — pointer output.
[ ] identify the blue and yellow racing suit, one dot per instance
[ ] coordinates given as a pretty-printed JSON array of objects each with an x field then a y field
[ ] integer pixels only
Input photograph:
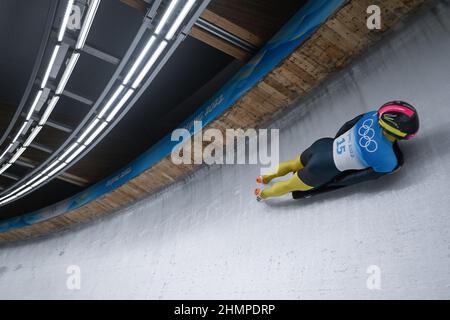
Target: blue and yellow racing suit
[{"x": 359, "y": 152}]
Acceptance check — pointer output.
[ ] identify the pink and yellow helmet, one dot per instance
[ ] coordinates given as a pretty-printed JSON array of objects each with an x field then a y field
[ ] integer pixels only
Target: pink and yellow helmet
[{"x": 399, "y": 119}]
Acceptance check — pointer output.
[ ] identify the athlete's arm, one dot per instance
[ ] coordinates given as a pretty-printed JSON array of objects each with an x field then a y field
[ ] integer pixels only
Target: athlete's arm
[
  {"x": 348, "y": 125},
  {"x": 399, "y": 154},
  {"x": 358, "y": 177}
]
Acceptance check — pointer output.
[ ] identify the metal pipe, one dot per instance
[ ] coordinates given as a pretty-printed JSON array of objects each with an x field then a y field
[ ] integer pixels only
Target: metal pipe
[{"x": 225, "y": 35}]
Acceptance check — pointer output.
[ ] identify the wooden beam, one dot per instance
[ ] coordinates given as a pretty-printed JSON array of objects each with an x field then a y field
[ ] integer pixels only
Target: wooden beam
[
  {"x": 262, "y": 18},
  {"x": 219, "y": 44},
  {"x": 233, "y": 28},
  {"x": 140, "y": 5},
  {"x": 211, "y": 39}
]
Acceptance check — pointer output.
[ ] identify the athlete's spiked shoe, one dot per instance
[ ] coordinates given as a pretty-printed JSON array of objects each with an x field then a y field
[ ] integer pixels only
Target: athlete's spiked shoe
[{"x": 258, "y": 195}]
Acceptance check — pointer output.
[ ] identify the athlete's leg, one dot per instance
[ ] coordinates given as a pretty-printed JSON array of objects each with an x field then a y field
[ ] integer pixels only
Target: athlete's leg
[
  {"x": 283, "y": 169},
  {"x": 281, "y": 188},
  {"x": 319, "y": 169}
]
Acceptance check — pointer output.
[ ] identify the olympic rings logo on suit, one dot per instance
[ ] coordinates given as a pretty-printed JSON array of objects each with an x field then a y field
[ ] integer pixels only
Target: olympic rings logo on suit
[{"x": 367, "y": 133}]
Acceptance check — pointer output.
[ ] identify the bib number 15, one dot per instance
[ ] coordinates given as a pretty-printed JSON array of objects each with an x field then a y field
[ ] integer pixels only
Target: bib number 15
[{"x": 340, "y": 146}]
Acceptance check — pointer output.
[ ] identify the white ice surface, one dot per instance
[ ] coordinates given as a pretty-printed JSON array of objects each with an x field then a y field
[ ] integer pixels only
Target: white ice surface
[{"x": 208, "y": 238}]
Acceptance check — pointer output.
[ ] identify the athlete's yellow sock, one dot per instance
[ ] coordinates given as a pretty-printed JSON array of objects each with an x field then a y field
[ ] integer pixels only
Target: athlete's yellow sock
[
  {"x": 281, "y": 188},
  {"x": 284, "y": 168}
]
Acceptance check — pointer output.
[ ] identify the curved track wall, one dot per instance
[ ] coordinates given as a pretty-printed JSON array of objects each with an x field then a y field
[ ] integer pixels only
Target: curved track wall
[{"x": 208, "y": 238}]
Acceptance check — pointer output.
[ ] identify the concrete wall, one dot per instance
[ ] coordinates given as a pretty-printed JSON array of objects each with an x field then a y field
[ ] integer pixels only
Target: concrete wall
[{"x": 209, "y": 238}]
